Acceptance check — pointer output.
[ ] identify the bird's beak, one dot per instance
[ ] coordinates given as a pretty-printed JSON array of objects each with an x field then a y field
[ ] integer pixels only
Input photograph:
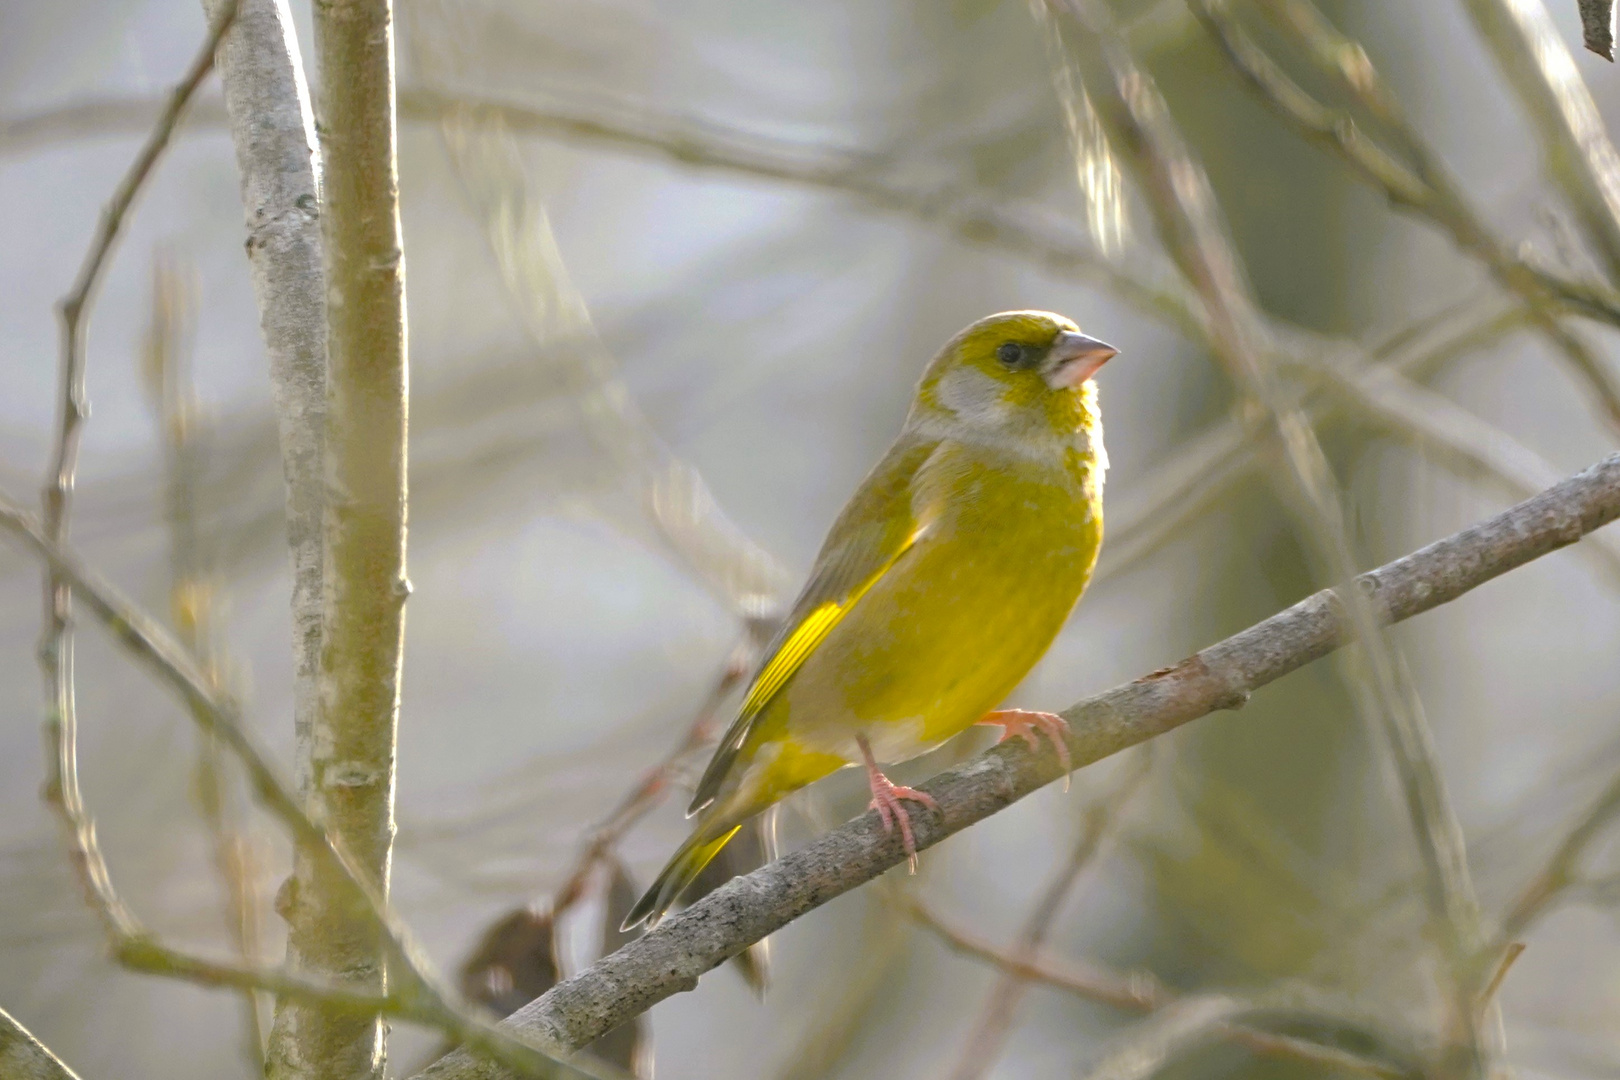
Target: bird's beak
[{"x": 1074, "y": 358}]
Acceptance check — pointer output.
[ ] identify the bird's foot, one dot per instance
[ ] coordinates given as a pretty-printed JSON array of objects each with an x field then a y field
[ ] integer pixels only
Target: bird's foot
[
  {"x": 1023, "y": 724},
  {"x": 888, "y": 800}
]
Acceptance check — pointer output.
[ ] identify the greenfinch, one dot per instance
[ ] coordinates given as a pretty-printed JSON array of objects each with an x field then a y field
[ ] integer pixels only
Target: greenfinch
[{"x": 942, "y": 582}]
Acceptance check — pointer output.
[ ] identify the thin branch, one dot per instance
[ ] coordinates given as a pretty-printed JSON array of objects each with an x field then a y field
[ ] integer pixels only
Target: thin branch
[
  {"x": 273, "y": 131},
  {"x": 670, "y": 958},
  {"x": 418, "y": 987},
  {"x": 1189, "y": 223},
  {"x": 1421, "y": 184},
  {"x": 692, "y": 142},
  {"x": 1001, "y": 1004},
  {"x": 1154, "y": 1043},
  {"x": 24, "y": 1057},
  {"x": 1447, "y": 432},
  {"x": 654, "y": 784},
  {"x": 1561, "y": 871},
  {"x": 1207, "y": 466},
  {"x": 1135, "y": 991},
  {"x": 56, "y": 642},
  {"x": 1575, "y": 148}
]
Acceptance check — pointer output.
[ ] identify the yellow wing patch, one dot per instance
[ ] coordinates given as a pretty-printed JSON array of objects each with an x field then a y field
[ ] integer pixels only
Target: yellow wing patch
[{"x": 810, "y": 633}]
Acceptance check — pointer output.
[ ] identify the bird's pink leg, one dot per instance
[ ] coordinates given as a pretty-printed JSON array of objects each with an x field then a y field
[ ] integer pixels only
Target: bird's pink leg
[
  {"x": 1024, "y": 725},
  {"x": 886, "y": 800}
]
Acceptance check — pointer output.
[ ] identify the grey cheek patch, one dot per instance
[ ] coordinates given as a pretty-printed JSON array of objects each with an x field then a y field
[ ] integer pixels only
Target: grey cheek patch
[{"x": 972, "y": 396}]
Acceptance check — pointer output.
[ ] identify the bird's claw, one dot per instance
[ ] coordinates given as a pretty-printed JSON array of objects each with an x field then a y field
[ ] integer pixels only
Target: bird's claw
[
  {"x": 1024, "y": 724},
  {"x": 886, "y": 800}
]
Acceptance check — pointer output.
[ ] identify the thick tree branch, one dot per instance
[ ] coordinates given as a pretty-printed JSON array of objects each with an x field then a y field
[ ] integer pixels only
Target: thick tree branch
[
  {"x": 273, "y": 130},
  {"x": 351, "y": 751},
  {"x": 670, "y": 958}
]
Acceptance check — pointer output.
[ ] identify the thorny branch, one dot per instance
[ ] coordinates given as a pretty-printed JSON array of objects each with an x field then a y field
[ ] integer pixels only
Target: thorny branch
[{"x": 670, "y": 958}]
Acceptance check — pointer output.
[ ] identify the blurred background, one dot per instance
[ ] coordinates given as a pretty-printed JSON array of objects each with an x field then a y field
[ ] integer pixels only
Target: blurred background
[{"x": 672, "y": 272}]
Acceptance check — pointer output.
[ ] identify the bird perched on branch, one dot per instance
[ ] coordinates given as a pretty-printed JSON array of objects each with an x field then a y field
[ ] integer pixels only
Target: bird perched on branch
[{"x": 942, "y": 582}]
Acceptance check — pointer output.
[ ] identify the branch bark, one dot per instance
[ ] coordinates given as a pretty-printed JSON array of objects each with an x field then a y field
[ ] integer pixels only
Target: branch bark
[
  {"x": 351, "y": 749},
  {"x": 670, "y": 958},
  {"x": 273, "y": 130},
  {"x": 23, "y": 1057}
]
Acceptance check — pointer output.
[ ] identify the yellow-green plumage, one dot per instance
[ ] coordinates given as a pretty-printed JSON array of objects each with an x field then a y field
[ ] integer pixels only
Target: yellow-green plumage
[{"x": 942, "y": 582}]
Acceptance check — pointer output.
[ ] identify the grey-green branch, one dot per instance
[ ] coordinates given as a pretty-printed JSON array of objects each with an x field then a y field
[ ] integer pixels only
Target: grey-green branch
[{"x": 670, "y": 958}]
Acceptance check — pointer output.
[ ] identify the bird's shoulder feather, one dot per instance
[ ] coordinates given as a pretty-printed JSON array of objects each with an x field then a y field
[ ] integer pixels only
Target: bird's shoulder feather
[{"x": 886, "y": 518}]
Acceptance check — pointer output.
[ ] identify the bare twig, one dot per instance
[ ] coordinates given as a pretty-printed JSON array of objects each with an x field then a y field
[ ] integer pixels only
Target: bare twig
[
  {"x": 1190, "y": 226},
  {"x": 417, "y": 990},
  {"x": 1510, "y": 956},
  {"x": 699, "y": 143},
  {"x": 1561, "y": 870},
  {"x": 56, "y": 643},
  {"x": 654, "y": 784},
  {"x": 1206, "y": 467},
  {"x": 1448, "y": 433},
  {"x": 1575, "y": 148},
  {"x": 1001, "y": 1005},
  {"x": 1143, "y": 1050},
  {"x": 24, "y": 1057},
  {"x": 670, "y": 958},
  {"x": 1421, "y": 183},
  {"x": 1130, "y": 991}
]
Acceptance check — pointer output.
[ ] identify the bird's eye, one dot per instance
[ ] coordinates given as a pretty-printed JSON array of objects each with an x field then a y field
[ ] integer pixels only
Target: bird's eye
[{"x": 1010, "y": 353}]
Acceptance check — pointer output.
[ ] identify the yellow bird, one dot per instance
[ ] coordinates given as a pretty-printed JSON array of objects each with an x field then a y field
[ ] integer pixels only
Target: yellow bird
[{"x": 942, "y": 582}]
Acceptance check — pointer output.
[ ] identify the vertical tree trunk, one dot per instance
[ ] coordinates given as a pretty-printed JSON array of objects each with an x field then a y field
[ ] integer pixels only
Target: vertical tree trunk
[{"x": 351, "y": 751}]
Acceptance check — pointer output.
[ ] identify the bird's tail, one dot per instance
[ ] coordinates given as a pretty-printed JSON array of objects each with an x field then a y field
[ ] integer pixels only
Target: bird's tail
[{"x": 688, "y": 861}]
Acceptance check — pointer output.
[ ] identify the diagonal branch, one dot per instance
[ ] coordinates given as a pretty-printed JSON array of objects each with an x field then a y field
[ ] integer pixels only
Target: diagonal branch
[
  {"x": 1421, "y": 183},
  {"x": 670, "y": 958},
  {"x": 1137, "y": 991},
  {"x": 1574, "y": 146},
  {"x": 25, "y": 1057},
  {"x": 414, "y": 986},
  {"x": 1000, "y": 1007},
  {"x": 1191, "y": 227}
]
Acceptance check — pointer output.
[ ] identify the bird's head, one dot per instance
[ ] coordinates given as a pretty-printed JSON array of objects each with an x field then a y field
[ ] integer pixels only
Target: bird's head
[{"x": 1019, "y": 372}]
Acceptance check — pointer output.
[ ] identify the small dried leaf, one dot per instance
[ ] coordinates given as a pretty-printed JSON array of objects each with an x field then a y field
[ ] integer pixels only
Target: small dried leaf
[{"x": 514, "y": 962}]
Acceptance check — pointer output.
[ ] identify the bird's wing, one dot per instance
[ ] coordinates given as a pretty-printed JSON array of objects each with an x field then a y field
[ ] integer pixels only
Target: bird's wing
[{"x": 877, "y": 528}]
